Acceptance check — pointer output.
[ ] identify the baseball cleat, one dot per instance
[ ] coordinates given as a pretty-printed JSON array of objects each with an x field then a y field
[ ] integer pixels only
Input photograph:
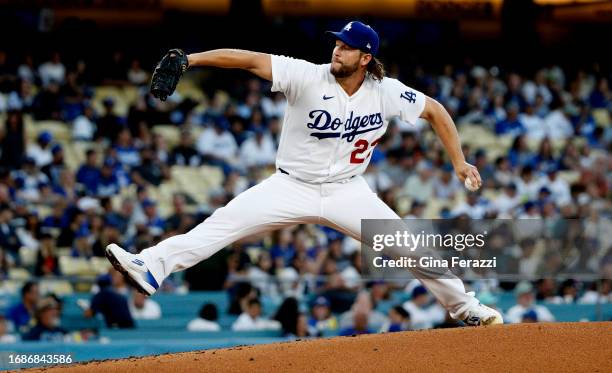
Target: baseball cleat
[
  {"x": 483, "y": 315},
  {"x": 133, "y": 269}
]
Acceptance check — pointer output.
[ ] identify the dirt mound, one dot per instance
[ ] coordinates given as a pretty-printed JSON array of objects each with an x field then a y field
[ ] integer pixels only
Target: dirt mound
[{"x": 556, "y": 347}]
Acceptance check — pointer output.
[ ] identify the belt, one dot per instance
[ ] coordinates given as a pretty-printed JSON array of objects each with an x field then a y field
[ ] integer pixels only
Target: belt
[{"x": 309, "y": 182}]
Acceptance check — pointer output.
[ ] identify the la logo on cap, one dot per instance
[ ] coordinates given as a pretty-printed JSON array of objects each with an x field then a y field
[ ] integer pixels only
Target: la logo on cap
[
  {"x": 369, "y": 46},
  {"x": 348, "y": 27}
]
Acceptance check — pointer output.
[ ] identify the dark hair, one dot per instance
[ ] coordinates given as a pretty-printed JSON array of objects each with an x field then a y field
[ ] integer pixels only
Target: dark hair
[
  {"x": 209, "y": 312},
  {"x": 27, "y": 287},
  {"x": 402, "y": 311},
  {"x": 376, "y": 69},
  {"x": 287, "y": 315}
]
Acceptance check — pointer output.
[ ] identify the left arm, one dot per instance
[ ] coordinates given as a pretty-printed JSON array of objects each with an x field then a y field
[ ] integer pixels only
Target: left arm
[{"x": 445, "y": 128}]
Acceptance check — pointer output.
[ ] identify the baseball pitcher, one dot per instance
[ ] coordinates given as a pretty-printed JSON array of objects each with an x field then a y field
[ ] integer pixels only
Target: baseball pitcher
[{"x": 336, "y": 115}]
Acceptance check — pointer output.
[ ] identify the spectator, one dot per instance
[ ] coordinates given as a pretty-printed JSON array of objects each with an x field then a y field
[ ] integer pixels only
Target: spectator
[
  {"x": 47, "y": 104},
  {"x": 5, "y": 336},
  {"x": 41, "y": 151},
  {"x": 22, "y": 314},
  {"x": 151, "y": 170},
  {"x": 84, "y": 126},
  {"x": 185, "y": 154},
  {"x": 112, "y": 305},
  {"x": 287, "y": 315},
  {"x": 474, "y": 206},
  {"x": 261, "y": 275},
  {"x": 52, "y": 71},
  {"x": 136, "y": 75},
  {"x": 109, "y": 126},
  {"x": 359, "y": 326},
  {"x": 207, "y": 320},
  {"x": 423, "y": 314},
  {"x": 217, "y": 145},
  {"x": 445, "y": 184},
  {"x": 568, "y": 293},
  {"x": 108, "y": 183},
  {"x": 47, "y": 327},
  {"x": 530, "y": 316},
  {"x": 12, "y": 141},
  {"x": 506, "y": 204},
  {"x": 46, "y": 260},
  {"x": 599, "y": 292},
  {"x": 89, "y": 174},
  {"x": 153, "y": 221},
  {"x": 321, "y": 318},
  {"x": 399, "y": 320},
  {"x": 127, "y": 154},
  {"x": 420, "y": 186},
  {"x": 511, "y": 125},
  {"x": 54, "y": 169},
  {"x": 525, "y": 303},
  {"x": 534, "y": 125},
  {"x": 363, "y": 304},
  {"x": 180, "y": 221},
  {"x": 29, "y": 180},
  {"x": 558, "y": 125},
  {"x": 258, "y": 150},
  {"x": 251, "y": 319},
  {"x": 26, "y": 70},
  {"x": 9, "y": 240},
  {"x": 144, "y": 308},
  {"x": 519, "y": 154}
]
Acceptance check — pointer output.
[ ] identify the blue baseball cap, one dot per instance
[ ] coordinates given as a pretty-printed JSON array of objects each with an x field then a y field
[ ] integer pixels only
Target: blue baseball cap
[{"x": 358, "y": 35}]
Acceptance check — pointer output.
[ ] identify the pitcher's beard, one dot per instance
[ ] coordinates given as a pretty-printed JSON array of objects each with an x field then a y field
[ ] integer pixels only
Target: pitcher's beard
[{"x": 344, "y": 71}]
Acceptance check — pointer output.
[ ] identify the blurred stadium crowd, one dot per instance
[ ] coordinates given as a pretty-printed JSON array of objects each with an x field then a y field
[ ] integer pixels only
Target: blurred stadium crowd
[{"x": 89, "y": 158}]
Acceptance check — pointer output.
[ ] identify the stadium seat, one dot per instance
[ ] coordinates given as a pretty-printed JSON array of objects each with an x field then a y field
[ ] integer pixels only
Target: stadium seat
[
  {"x": 57, "y": 287},
  {"x": 602, "y": 117},
  {"x": 75, "y": 266},
  {"x": 18, "y": 274},
  {"x": 27, "y": 256},
  {"x": 99, "y": 265}
]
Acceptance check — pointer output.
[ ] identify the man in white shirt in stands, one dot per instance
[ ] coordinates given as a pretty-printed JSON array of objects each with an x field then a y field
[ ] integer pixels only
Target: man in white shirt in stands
[
  {"x": 258, "y": 150},
  {"x": 251, "y": 319},
  {"x": 207, "y": 320},
  {"x": 143, "y": 308},
  {"x": 525, "y": 303},
  {"x": 52, "y": 71},
  {"x": 217, "y": 143}
]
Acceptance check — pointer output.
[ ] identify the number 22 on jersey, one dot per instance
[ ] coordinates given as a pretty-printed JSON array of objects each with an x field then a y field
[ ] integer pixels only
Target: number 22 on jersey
[{"x": 361, "y": 146}]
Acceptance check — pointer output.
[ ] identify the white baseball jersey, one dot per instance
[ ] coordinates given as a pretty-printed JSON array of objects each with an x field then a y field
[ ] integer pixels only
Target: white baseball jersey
[{"x": 328, "y": 136}]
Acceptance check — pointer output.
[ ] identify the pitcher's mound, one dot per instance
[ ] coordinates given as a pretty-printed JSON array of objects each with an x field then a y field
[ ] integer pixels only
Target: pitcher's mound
[{"x": 555, "y": 347}]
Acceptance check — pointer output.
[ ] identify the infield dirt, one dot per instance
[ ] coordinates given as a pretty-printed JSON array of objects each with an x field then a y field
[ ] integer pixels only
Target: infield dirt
[{"x": 554, "y": 347}]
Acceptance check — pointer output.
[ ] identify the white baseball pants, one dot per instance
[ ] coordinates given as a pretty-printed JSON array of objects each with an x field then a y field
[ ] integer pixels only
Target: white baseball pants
[{"x": 281, "y": 201}]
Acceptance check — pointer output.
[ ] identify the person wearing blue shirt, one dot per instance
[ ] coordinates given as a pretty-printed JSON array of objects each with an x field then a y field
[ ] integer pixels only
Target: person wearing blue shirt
[
  {"x": 108, "y": 184},
  {"x": 112, "y": 305},
  {"x": 21, "y": 314},
  {"x": 89, "y": 173},
  {"x": 511, "y": 125}
]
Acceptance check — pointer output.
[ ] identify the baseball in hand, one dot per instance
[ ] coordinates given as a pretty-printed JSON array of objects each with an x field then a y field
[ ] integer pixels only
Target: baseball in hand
[{"x": 469, "y": 185}]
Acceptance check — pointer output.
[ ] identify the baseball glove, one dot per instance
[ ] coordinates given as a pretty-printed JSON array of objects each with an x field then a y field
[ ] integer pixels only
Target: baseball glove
[{"x": 167, "y": 73}]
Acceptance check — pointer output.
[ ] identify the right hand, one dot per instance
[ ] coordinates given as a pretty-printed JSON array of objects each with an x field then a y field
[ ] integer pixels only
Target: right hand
[{"x": 168, "y": 73}]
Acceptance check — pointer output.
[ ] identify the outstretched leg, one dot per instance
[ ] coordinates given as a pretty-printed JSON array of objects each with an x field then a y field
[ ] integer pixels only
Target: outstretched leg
[
  {"x": 276, "y": 202},
  {"x": 344, "y": 205}
]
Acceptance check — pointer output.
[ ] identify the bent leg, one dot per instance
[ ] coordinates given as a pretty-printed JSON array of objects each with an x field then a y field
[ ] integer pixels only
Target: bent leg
[
  {"x": 344, "y": 207},
  {"x": 276, "y": 202}
]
